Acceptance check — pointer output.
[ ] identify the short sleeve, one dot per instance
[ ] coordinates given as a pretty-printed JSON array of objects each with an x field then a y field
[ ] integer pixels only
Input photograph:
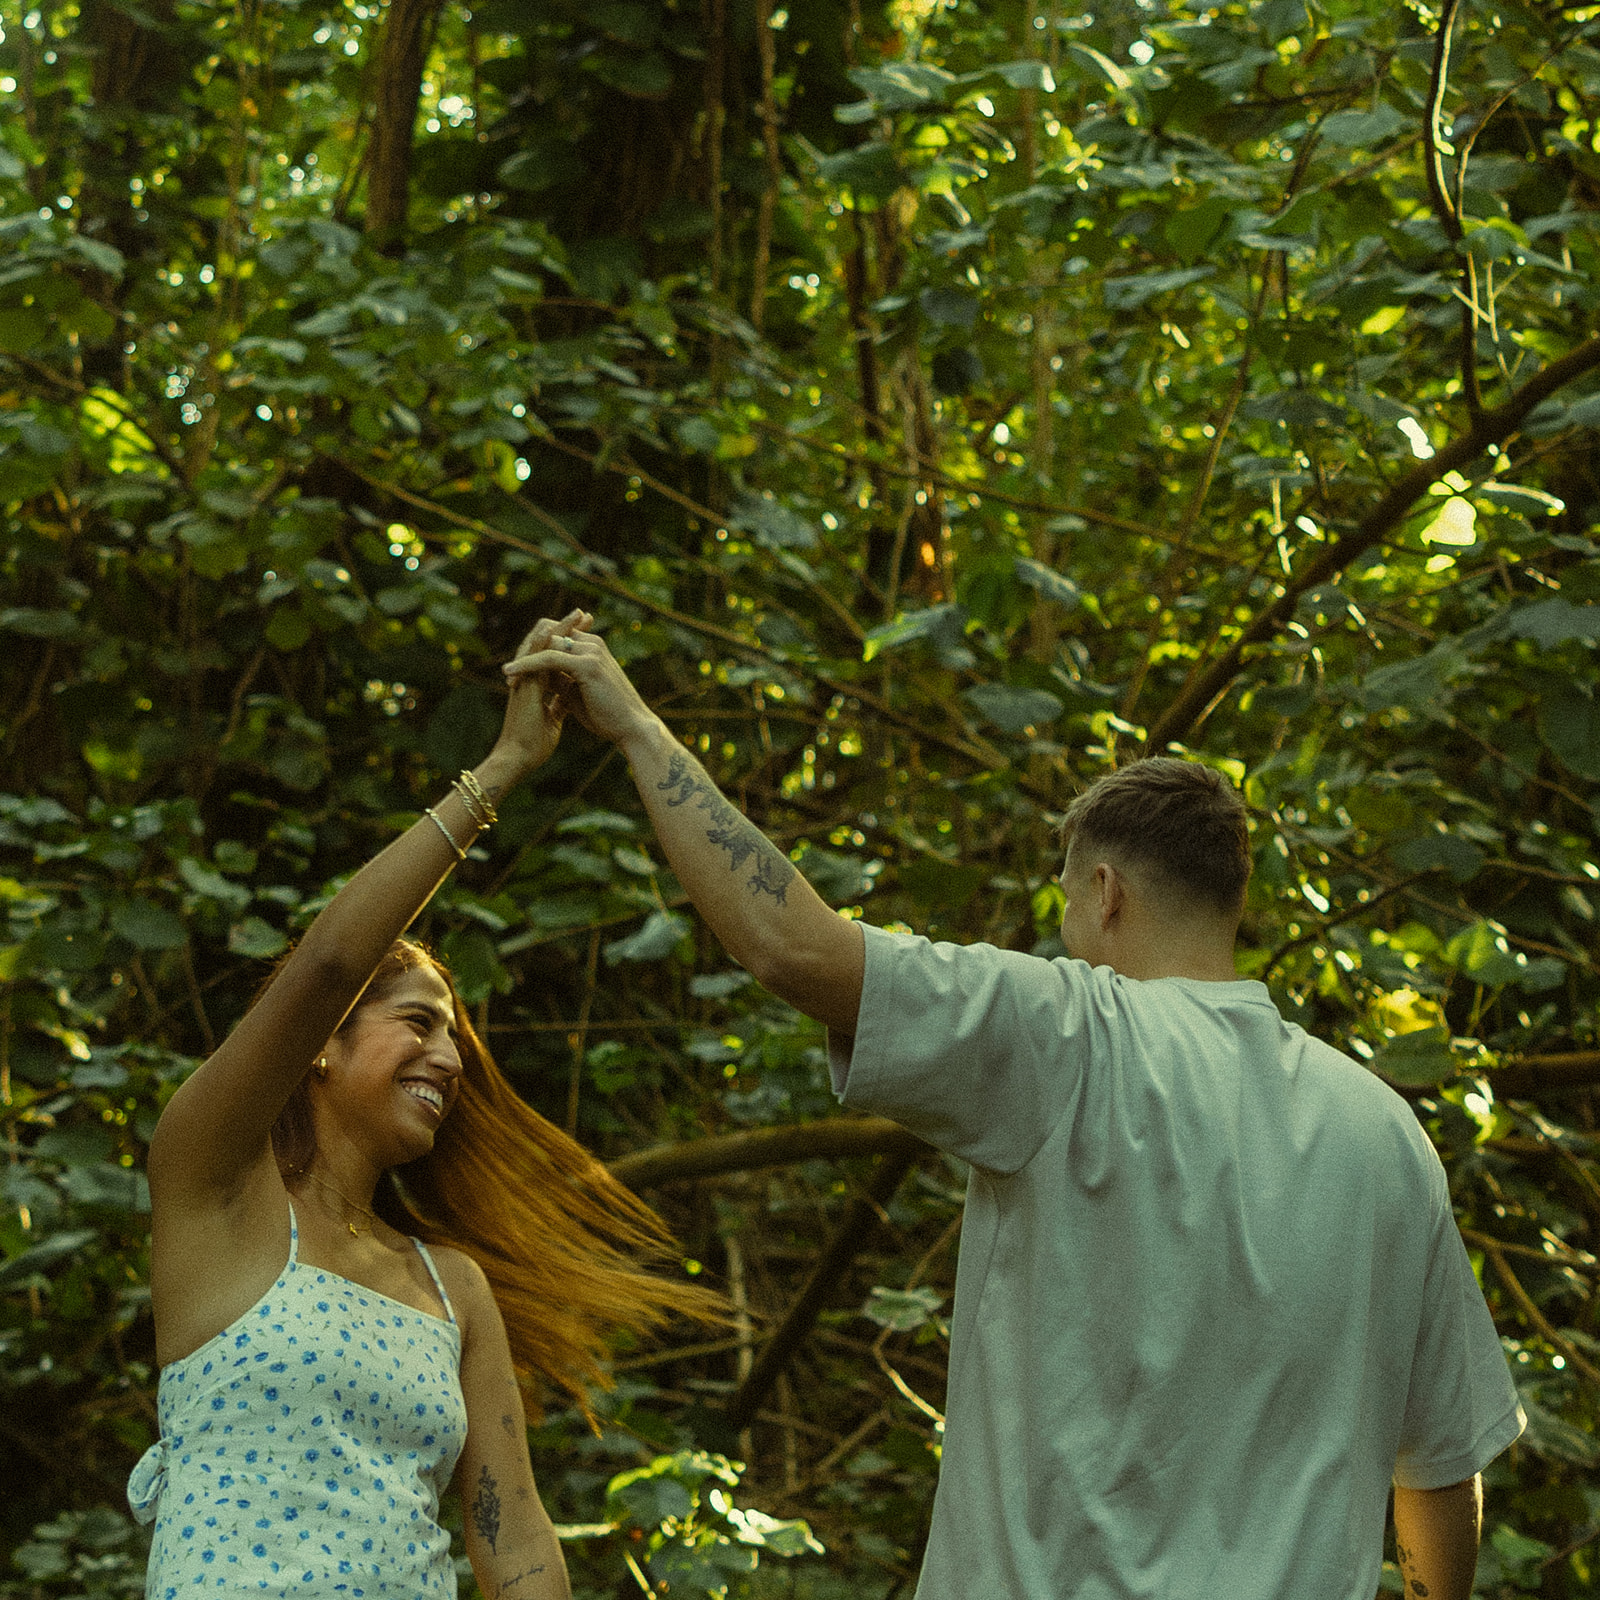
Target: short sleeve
[
  {"x": 1461, "y": 1407},
  {"x": 975, "y": 1049}
]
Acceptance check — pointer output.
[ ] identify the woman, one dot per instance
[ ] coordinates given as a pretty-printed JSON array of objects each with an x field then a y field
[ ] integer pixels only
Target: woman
[{"x": 324, "y": 1375}]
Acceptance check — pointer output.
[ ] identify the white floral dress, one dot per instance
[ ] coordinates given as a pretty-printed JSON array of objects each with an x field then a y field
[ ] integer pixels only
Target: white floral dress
[{"x": 304, "y": 1448}]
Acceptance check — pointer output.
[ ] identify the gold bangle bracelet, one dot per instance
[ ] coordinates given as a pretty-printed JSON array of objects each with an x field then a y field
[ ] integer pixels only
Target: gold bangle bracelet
[
  {"x": 469, "y": 780},
  {"x": 469, "y": 805},
  {"x": 450, "y": 838}
]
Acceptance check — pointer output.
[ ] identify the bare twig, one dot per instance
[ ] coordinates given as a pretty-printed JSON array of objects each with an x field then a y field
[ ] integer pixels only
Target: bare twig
[
  {"x": 196, "y": 1002},
  {"x": 1444, "y": 206},
  {"x": 744, "y": 1329},
  {"x": 659, "y": 1358},
  {"x": 853, "y": 1440},
  {"x": 767, "y": 49}
]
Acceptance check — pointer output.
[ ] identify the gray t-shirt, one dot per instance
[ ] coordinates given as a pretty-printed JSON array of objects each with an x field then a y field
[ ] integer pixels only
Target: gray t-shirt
[{"x": 1211, "y": 1295}]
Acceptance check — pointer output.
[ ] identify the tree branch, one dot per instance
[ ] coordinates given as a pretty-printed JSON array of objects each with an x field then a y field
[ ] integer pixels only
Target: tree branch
[
  {"x": 1528, "y": 1077},
  {"x": 1489, "y": 427},
  {"x": 767, "y": 49},
  {"x": 402, "y": 54},
  {"x": 1525, "y": 1303},
  {"x": 849, "y": 1238},
  {"x": 830, "y": 1140}
]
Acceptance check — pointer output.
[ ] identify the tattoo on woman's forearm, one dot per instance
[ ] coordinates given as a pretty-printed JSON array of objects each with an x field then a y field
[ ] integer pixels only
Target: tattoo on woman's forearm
[
  {"x": 529, "y": 1572},
  {"x": 486, "y": 1508},
  {"x": 770, "y": 872}
]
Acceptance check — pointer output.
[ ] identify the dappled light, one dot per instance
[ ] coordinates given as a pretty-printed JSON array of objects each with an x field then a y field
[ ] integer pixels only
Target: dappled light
[{"x": 938, "y": 405}]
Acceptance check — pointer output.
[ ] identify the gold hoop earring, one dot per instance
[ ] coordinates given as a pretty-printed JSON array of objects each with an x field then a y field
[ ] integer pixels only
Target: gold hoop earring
[{"x": 321, "y": 1067}]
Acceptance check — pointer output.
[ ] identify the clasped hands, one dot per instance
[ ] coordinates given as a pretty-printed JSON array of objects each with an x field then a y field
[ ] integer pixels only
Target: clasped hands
[{"x": 574, "y": 672}]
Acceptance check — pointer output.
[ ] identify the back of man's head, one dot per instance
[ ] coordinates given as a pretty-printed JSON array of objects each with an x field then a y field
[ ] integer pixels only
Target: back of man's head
[{"x": 1178, "y": 826}]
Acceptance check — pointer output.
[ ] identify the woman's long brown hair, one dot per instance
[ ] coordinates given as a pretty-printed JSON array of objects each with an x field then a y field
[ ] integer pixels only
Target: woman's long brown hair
[{"x": 564, "y": 1245}]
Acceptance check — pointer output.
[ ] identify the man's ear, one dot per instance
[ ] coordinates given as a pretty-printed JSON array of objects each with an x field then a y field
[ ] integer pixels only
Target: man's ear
[{"x": 1110, "y": 892}]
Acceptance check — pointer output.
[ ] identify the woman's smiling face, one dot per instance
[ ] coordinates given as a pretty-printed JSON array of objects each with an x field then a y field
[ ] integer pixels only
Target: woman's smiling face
[{"x": 394, "y": 1069}]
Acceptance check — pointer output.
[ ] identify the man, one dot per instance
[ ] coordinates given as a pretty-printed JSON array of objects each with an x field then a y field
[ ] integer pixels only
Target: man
[{"x": 1211, "y": 1297}]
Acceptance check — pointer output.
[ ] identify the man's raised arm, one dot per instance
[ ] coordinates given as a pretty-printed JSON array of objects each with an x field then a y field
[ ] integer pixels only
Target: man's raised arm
[{"x": 765, "y": 913}]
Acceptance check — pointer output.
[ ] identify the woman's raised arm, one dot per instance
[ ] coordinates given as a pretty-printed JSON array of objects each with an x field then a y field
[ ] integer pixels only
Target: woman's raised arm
[{"x": 217, "y": 1128}]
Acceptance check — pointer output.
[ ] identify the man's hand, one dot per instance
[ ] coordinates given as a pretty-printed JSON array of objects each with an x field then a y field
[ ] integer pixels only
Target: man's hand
[{"x": 595, "y": 688}]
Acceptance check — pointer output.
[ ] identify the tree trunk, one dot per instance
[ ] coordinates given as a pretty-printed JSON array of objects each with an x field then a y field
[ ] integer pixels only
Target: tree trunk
[{"x": 402, "y": 54}]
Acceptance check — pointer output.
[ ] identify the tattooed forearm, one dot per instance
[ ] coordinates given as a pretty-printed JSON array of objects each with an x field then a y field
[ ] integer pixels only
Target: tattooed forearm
[
  {"x": 770, "y": 871},
  {"x": 486, "y": 1508}
]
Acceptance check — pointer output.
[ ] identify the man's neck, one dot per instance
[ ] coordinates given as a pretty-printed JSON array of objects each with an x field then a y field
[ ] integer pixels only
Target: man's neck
[
  {"x": 1149, "y": 965},
  {"x": 1175, "y": 950}
]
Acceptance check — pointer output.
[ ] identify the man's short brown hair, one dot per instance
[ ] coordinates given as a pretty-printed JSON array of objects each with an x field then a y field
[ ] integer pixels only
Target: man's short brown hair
[{"x": 1181, "y": 821}]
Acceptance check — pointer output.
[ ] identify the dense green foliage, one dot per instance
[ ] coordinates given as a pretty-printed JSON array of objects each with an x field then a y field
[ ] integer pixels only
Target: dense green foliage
[{"x": 937, "y": 404}]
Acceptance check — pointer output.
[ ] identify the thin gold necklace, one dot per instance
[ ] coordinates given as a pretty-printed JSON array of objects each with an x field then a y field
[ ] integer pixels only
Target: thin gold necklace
[{"x": 355, "y": 1232}]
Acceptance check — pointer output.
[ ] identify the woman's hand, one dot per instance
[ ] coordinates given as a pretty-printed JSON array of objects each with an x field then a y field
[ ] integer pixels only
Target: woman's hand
[
  {"x": 596, "y": 689},
  {"x": 538, "y": 703}
]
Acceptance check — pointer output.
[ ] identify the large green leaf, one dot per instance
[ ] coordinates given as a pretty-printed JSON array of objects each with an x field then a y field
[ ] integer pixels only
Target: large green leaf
[
  {"x": 838, "y": 878},
  {"x": 38, "y": 624},
  {"x": 1052, "y": 585},
  {"x": 903, "y": 1310},
  {"x": 1483, "y": 954},
  {"x": 1569, "y": 724},
  {"x": 257, "y": 939},
  {"x": 1418, "y": 683},
  {"x": 659, "y": 935},
  {"x": 904, "y": 85},
  {"x": 1554, "y": 622},
  {"x": 1012, "y": 709},
  {"x": 1365, "y": 130},
  {"x": 943, "y": 626},
  {"x": 870, "y": 170},
  {"x": 44, "y": 1254},
  {"x": 772, "y": 523},
  {"x": 1130, "y": 292},
  {"x": 147, "y": 926},
  {"x": 1417, "y": 1059}
]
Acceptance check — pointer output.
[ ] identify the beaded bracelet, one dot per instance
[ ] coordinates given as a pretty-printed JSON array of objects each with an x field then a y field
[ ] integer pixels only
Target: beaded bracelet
[{"x": 450, "y": 838}]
